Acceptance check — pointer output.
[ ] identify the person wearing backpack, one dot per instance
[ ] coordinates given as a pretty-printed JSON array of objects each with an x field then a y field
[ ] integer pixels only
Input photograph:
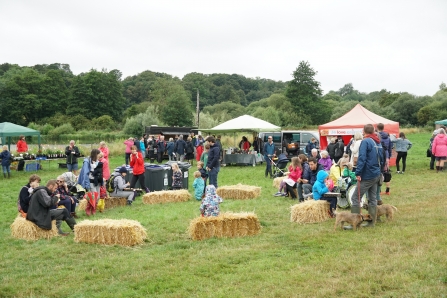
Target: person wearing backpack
[
  {"x": 5, "y": 156},
  {"x": 119, "y": 185},
  {"x": 339, "y": 149}
]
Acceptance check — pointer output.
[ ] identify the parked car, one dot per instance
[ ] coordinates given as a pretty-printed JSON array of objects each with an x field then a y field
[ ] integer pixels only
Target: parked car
[{"x": 291, "y": 142}]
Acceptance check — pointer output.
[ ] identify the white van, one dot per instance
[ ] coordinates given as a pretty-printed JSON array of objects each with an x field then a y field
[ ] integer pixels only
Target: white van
[{"x": 291, "y": 142}]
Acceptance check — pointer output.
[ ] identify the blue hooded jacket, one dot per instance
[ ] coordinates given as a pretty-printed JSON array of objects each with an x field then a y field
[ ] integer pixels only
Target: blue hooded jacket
[
  {"x": 319, "y": 188},
  {"x": 368, "y": 162}
]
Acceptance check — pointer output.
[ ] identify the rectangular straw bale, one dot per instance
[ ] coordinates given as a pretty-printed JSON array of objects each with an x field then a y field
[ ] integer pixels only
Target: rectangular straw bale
[
  {"x": 167, "y": 196},
  {"x": 82, "y": 205},
  {"x": 277, "y": 181},
  {"x": 228, "y": 225},
  {"x": 310, "y": 212},
  {"x": 112, "y": 202},
  {"x": 239, "y": 192},
  {"x": 27, "y": 230},
  {"x": 110, "y": 231}
]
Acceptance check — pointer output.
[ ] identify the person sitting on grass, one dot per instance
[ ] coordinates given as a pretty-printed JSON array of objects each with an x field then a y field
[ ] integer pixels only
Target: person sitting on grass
[
  {"x": 210, "y": 204},
  {"x": 199, "y": 186},
  {"x": 177, "y": 176},
  {"x": 320, "y": 188},
  {"x": 120, "y": 184}
]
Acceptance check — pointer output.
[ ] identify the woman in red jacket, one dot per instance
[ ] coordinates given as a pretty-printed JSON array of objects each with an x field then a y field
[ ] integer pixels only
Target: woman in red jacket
[
  {"x": 21, "y": 145},
  {"x": 137, "y": 164}
]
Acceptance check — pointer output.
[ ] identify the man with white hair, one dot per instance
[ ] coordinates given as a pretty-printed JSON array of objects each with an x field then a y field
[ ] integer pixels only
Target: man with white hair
[{"x": 72, "y": 153}]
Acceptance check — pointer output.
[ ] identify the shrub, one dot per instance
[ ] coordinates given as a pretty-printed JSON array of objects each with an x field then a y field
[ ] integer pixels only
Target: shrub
[{"x": 63, "y": 129}]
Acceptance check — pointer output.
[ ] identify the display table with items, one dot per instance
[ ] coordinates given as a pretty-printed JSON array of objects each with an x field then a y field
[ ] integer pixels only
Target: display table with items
[{"x": 242, "y": 159}]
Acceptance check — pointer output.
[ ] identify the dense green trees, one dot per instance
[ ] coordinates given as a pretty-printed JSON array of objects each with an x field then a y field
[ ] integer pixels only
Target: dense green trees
[{"x": 50, "y": 95}]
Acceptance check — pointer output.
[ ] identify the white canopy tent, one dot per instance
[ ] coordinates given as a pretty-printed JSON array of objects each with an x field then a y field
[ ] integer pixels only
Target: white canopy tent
[{"x": 245, "y": 123}]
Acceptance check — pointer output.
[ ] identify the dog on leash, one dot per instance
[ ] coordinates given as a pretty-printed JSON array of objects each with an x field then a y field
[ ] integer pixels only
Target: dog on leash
[
  {"x": 354, "y": 219},
  {"x": 385, "y": 209}
]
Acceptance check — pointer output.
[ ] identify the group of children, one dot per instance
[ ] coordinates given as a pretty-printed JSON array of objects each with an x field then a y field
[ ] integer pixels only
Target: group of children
[
  {"x": 324, "y": 183},
  {"x": 205, "y": 193}
]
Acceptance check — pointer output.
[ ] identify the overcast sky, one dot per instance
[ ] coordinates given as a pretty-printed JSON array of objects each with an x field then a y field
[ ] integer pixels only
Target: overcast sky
[{"x": 396, "y": 45}]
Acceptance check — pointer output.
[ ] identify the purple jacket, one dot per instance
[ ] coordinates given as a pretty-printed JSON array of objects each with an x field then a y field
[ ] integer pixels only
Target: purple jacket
[{"x": 326, "y": 163}]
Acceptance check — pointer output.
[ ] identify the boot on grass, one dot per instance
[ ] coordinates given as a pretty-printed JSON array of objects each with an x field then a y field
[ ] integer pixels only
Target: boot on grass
[{"x": 372, "y": 210}]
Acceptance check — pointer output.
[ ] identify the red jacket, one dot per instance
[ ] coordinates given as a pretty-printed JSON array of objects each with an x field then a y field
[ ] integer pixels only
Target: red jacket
[
  {"x": 137, "y": 164},
  {"x": 22, "y": 146},
  {"x": 294, "y": 174}
]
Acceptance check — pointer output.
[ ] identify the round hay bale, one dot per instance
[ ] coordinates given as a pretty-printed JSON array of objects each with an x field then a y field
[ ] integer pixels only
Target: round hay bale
[
  {"x": 110, "y": 231},
  {"x": 310, "y": 212},
  {"x": 225, "y": 225},
  {"x": 27, "y": 230},
  {"x": 239, "y": 192},
  {"x": 167, "y": 196},
  {"x": 277, "y": 181}
]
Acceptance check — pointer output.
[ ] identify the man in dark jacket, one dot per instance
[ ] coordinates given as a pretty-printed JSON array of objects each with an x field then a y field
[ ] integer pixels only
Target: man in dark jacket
[
  {"x": 40, "y": 212},
  {"x": 213, "y": 164},
  {"x": 72, "y": 153},
  {"x": 368, "y": 173},
  {"x": 387, "y": 145},
  {"x": 161, "y": 146},
  {"x": 309, "y": 177},
  {"x": 219, "y": 144},
  {"x": 179, "y": 148}
]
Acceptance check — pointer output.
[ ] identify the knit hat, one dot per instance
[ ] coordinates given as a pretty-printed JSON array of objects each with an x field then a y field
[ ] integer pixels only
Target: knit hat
[{"x": 122, "y": 170}]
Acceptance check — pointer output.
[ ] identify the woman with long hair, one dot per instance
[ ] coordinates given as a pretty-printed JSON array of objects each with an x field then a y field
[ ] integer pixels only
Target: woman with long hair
[{"x": 439, "y": 149}]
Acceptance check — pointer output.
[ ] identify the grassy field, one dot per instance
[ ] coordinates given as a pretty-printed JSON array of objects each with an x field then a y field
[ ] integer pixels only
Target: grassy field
[{"x": 403, "y": 258}]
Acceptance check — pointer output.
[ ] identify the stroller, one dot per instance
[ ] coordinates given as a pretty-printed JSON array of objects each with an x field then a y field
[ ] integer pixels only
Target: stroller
[
  {"x": 279, "y": 164},
  {"x": 76, "y": 189}
]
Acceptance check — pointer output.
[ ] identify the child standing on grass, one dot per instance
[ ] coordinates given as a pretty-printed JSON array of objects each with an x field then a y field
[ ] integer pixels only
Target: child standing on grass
[
  {"x": 199, "y": 185},
  {"x": 177, "y": 176},
  {"x": 5, "y": 156},
  {"x": 210, "y": 204}
]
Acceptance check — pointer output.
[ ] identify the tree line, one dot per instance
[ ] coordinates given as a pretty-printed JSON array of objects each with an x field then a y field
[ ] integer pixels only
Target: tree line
[{"x": 49, "y": 96}]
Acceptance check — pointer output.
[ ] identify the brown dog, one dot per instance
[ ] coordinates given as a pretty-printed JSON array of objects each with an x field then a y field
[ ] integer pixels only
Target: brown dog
[
  {"x": 386, "y": 209},
  {"x": 354, "y": 219}
]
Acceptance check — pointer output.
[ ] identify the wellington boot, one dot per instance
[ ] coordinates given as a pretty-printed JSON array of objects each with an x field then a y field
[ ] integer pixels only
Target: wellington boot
[
  {"x": 59, "y": 230},
  {"x": 71, "y": 222},
  {"x": 4, "y": 175},
  {"x": 354, "y": 209},
  {"x": 9, "y": 175},
  {"x": 372, "y": 210}
]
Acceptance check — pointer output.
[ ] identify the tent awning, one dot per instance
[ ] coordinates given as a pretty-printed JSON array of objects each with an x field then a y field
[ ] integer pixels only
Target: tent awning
[{"x": 245, "y": 123}]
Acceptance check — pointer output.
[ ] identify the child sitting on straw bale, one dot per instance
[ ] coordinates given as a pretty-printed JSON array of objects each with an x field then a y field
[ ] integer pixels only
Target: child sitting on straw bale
[
  {"x": 177, "y": 177},
  {"x": 199, "y": 185},
  {"x": 294, "y": 175},
  {"x": 320, "y": 188},
  {"x": 25, "y": 194},
  {"x": 210, "y": 204},
  {"x": 347, "y": 172}
]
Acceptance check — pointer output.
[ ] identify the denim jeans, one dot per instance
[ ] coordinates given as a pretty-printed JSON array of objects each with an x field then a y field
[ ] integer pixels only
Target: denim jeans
[
  {"x": 6, "y": 169},
  {"x": 212, "y": 174}
]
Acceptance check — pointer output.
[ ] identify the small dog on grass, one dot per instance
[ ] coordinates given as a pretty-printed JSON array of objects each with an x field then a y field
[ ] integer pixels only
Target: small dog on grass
[
  {"x": 354, "y": 219},
  {"x": 385, "y": 209}
]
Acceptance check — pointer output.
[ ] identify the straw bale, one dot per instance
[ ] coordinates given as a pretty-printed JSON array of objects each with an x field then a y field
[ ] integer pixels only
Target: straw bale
[
  {"x": 227, "y": 224},
  {"x": 112, "y": 202},
  {"x": 27, "y": 230},
  {"x": 239, "y": 192},
  {"x": 82, "y": 205},
  {"x": 166, "y": 196},
  {"x": 110, "y": 231},
  {"x": 310, "y": 211},
  {"x": 277, "y": 181}
]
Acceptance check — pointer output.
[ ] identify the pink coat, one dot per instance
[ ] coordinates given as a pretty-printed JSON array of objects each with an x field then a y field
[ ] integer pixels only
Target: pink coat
[
  {"x": 128, "y": 144},
  {"x": 105, "y": 168},
  {"x": 105, "y": 152},
  {"x": 439, "y": 147}
]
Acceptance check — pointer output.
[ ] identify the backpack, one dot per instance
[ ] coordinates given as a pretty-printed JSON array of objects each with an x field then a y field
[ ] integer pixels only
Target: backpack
[
  {"x": 338, "y": 150},
  {"x": 110, "y": 183},
  {"x": 348, "y": 148}
]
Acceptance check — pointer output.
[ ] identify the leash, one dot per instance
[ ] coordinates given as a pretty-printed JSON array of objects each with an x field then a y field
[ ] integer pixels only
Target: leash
[{"x": 358, "y": 195}]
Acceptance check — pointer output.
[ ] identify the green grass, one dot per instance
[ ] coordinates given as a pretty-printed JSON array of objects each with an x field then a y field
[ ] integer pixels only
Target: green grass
[{"x": 403, "y": 258}]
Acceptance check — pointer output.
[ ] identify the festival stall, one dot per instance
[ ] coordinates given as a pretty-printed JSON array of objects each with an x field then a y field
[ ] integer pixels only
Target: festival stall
[
  {"x": 351, "y": 122},
  {"x": 245, "y": 123}
]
